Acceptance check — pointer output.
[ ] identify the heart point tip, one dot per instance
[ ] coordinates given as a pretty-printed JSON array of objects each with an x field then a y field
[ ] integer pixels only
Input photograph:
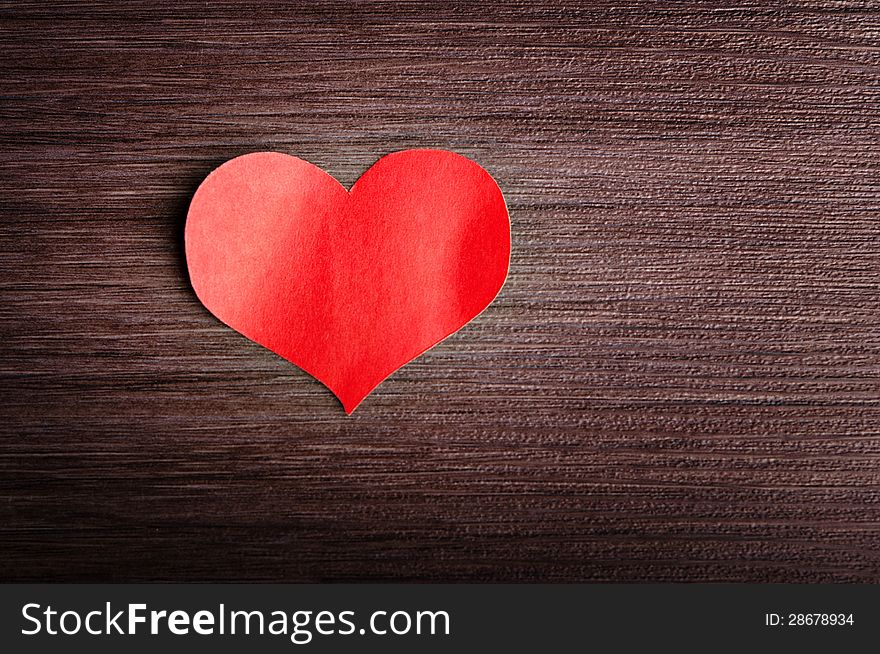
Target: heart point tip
[{"x": 349, "y": 407}]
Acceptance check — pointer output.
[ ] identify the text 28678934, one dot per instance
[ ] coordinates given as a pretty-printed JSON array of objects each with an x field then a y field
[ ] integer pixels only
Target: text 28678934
[{"x": 808, "y": 619}]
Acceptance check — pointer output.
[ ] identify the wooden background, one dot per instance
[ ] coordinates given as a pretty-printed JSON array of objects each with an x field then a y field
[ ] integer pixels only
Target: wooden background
[{"x": 680, "y": 380}]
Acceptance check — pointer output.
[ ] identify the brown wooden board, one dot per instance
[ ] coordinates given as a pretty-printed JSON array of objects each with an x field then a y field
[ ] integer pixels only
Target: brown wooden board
[{"x": 680, "y": 380}]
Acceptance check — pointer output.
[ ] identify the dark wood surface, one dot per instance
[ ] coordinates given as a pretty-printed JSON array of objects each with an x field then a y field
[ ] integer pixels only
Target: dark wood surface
[{"x": 680, "y": 380}]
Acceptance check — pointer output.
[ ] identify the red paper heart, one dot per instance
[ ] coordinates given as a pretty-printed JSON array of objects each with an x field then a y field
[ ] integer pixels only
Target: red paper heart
[{"x": 348, "y": 285}]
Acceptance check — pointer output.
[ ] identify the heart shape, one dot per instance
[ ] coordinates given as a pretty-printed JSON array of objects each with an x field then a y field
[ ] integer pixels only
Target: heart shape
[{"x": 348, "y": 285}]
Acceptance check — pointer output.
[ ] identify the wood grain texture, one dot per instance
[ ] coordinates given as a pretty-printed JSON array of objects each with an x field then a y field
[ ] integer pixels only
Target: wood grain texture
[{"x": 680, "y": 380}]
